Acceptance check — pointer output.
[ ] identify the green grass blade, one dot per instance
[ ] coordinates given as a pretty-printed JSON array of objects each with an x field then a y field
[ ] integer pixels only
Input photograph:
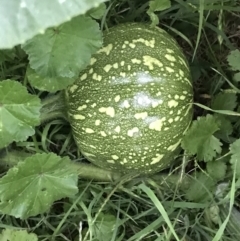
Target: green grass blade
[
  {"x": 144, "y": 232},
  {"x": 200, "y": 25},
  {"x": 160, "y": 208},
  {"x": 220, "y": 232},
  {"x": 223, "y": 112}
]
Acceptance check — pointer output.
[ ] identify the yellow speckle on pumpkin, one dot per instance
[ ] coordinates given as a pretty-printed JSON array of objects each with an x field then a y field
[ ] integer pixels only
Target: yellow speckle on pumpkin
[{"x": 108, "y": 110}]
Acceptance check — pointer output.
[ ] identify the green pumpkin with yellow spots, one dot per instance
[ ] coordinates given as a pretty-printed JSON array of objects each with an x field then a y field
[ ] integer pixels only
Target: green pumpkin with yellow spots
[{"x": 131, "y": 106}]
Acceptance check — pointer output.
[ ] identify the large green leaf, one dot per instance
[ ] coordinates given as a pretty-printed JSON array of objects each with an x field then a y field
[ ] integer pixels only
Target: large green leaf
[
  {"x": 97, "y": 12},
  {"x": 217, "y": 169},
  {"x": 200, "y": 140},
  {"x": 201, "y": 188},
  {"x": 19, "y": 112},
  {"x": 17, "y": 235},
  {"x": 155, "y": 6},
  {"x": 47, "y": 83},
  {"x": 224, "y": 101},
  {"x": 22, "y": 19},
  {"x": 64, "y": 51},
  {"x": 104, "y": 227},
  {"x": 234, "y": 59},
  {"x": 31, "y": 187}
]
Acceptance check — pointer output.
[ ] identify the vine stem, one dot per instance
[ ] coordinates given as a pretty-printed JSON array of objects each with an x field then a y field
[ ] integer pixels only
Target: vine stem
[
  {"x": 53, "y": 107},
  {"x": 92, "y": 172},
  {"x": 89, "y": 171}
]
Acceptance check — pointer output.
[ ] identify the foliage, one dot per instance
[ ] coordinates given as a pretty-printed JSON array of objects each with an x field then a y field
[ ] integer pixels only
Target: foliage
[
  {"x": 50, "y": 84},
  {"x": 200, "y": 139},
  {"x": 43, "y": 48},
  {"x": 234, "y": 59},
  {"x": 24, "y": 19},
  {"x": 30, "y": 187},
  {"x": 19, "y": 112},
  {"x": 235, "y": 151},
  {"x": 155, "y": 6},
  {"x": 17, "y": 235},
  {"x": 47, "y": 52}
]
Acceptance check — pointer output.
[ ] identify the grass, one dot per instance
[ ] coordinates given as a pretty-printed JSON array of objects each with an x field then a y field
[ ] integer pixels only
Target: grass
[{"x": 144, "y": 209}]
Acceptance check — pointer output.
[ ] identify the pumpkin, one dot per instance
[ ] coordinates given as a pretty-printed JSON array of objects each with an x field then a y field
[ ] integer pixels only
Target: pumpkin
[{"x": 131, "y": 106}]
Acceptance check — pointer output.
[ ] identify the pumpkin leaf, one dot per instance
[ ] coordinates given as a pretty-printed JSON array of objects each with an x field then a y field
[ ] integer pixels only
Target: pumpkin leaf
[
  {"x": 30, "y": 187},
  {"x": 79, "y": 38},
  {"x": 235, "y": 157},
  {"x": 234, "y": 59},
  {"x": 17, "y": 235},
  {"x": 199, "y": 139},
  {"x": 97, "y": 12},
  {"x": 103, "y": 228},
  {"x": 156, "y": 6},
  {"x": 236, "y": 77},
  {"x": 217, "y": 169},
  {"x": 19, "y": 112},
  {"x": 224, "y": 101},
  {"x": 22, "y": 20},
  {"x": 201, "y": 188},
  {"x": 50, "y": 84},
  {"x": 225, "y": 127},
  {"x": 159, "y": 5}
]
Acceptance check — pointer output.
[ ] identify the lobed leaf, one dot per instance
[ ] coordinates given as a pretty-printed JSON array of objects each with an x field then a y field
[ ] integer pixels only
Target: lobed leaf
[
  {"x": 104, "y": 227},
  {"x": 30, "y": 188},
  {"x": 236, "y": 77},
  {"x": 234, "y": 59},
  {"x": 201, "y": 188},
  {"x": 224, "y": 101},
  {"x": 47, "y": 83},
  {"x": 225, "y": 127},
  {"x": 21, "y": 20},
  {"x": 97, "y": 12},
  {"x": 19, "y": 112},
  {"x": 65, "y": 50},
  {"x": 17, "y": 235},
  {"x": 155, "y": 6},
  {"x": 199, "y": 139},
  {"x": 217, "y": 169}
]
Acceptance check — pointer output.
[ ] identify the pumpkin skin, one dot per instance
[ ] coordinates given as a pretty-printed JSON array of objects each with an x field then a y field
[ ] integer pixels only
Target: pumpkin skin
[{"x": 131, "y": 106}]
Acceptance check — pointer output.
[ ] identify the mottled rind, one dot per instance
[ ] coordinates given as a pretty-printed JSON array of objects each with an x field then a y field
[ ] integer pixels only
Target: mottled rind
[{"x": 131, "y": 105}]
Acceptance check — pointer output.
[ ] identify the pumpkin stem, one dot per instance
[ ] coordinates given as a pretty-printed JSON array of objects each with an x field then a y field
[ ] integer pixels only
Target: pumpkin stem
[
  {"x": 53, "y": 107},
  {"x": 10, "y": 158}
]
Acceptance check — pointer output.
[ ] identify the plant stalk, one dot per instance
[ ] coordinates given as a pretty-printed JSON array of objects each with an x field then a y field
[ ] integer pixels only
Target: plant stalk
[
  {"x": 53, "y": 107},
  {"x": 92, "y": 172}
]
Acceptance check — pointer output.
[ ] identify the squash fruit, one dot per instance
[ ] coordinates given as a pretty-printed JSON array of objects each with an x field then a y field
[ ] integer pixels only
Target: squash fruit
[{"x": 130, "y": 107}]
